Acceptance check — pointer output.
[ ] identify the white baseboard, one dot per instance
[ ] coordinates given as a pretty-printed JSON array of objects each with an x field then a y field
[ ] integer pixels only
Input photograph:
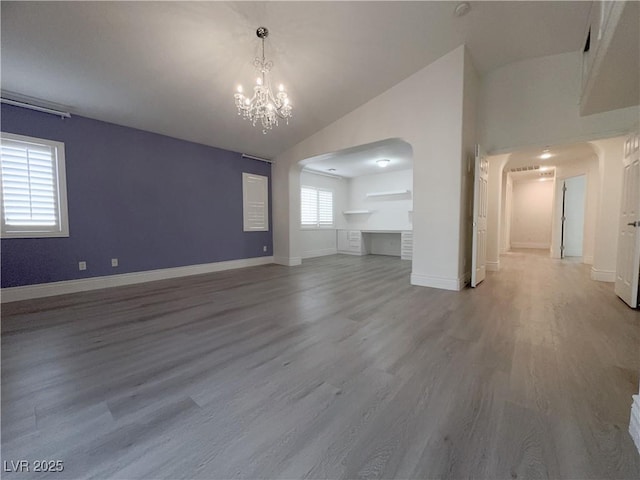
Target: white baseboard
[
  {"x": 634, "y": 423},
  {"x": 587, "y": 259},
  {"x": 443, "y": 283},
  {"x": 493, "y": 266},
  {"x": 529, "y": 245},
  {"x": 357, "y": 254},
  {"x": 319, "y": 253},
  {"x": 27, "y": 292},
  {"x": 288, "y": 261},
  {"x": 603, "y": 275}
]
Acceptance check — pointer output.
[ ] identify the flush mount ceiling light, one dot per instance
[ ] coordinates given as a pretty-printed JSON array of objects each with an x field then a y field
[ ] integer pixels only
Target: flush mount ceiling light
[
  {"x": 545, "y": 154},
  {"x": 263, "y": 106},
  {"x": 383, "y": 163}
]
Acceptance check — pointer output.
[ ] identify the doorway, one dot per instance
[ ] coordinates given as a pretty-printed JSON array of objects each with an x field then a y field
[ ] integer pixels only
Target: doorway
[{"x": 573, "y": 201}]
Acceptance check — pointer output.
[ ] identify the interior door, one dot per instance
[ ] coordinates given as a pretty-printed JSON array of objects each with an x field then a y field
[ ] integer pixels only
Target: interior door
[
  {"x": 480, "y": 200},
  {"x": 628, "y": 267},
  {"x": 573, "y": 216}
]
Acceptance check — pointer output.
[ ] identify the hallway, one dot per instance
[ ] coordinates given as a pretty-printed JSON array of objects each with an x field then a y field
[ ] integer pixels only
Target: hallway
[{"x": 334, "y": 369}]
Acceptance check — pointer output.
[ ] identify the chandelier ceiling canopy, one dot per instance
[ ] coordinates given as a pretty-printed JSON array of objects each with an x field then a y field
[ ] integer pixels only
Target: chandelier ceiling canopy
[{"x": 263, "y": 106}]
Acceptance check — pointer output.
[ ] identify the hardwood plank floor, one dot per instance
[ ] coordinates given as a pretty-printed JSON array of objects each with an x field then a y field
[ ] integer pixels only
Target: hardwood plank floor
[{"x": 334, "y": 369}]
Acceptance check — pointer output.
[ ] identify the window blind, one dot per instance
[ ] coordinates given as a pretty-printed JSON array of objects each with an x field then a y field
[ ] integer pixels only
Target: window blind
[
  {"x": 309, "y": 206},
  {"x": 255, "y": 196},
  {"x": 325, "y": 207},
  {"x": 316, "y": 207},
  {"x": 30, "y": 187}
]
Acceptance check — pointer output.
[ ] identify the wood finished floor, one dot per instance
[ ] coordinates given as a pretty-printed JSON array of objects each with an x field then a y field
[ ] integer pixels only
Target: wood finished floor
[{"x": 335, "y": 369}]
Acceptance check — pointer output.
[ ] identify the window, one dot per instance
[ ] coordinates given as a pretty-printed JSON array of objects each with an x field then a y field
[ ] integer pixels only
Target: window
[
  {"x": 316, "y": 207},
  {"x": 255, "y": 202},
  {"x": 34, "y": 192}
]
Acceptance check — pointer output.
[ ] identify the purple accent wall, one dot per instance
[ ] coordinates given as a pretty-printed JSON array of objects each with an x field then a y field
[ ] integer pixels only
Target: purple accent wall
[{"x": 149, "y": 200}]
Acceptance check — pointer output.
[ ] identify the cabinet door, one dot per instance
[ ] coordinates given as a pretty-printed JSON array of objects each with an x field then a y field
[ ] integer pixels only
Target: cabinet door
[
  {"x": 355, "y": 241},
  {"x": 343, "y": 240},
  {"x": 406, "y": 249}
]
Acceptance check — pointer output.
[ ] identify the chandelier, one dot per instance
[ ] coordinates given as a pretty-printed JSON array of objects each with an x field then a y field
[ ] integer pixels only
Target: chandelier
[{"x": 263, "y": 106}]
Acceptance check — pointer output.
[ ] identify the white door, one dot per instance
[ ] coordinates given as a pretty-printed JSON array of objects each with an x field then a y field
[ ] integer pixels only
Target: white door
[
  {"x": 480, "y": 200},
  {"x": 573, "y": 221},
  {"x": 628, "y": 268}
]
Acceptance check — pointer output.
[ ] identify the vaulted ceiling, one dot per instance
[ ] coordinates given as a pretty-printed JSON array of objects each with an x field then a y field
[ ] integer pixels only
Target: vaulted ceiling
[{"x": 172, "y": 67}]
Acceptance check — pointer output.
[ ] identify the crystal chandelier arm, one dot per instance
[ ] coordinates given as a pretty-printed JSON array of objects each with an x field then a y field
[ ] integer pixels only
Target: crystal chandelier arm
[{"x": 263, "y": 106}]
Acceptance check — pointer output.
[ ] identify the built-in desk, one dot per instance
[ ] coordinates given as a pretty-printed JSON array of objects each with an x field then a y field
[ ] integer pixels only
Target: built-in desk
[{"x": 376, "y": 242}]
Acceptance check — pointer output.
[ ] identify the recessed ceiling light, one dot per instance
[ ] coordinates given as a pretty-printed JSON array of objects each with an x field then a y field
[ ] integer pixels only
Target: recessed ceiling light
[
  {"x": 545, "y": 154},
  {"x": 462, "y": 9},
  {"x": 383, "y": 163}
]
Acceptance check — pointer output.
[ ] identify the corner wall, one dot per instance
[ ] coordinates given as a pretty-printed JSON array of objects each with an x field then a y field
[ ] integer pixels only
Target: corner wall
[
  {"x": 495, "y": 221},
  {"x": 469, "y": 141},
  {"x": 532, "y": 214},
  {"x": 387, "y": 213},
  {"x": 425, "y": 110},
  {"x": 535, "y": 102},
  {"x": 610, "y": 157},
  {"x": 151, "y": 201}
]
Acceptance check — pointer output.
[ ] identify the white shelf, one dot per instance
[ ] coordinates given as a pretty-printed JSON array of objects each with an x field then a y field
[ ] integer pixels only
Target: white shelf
[
  {"x": 355, "y": 212},
  {"x": 385, "y": 194}
]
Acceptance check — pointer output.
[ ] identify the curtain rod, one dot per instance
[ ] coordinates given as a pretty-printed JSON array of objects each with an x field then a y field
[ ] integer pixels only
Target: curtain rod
[
  {"x": 37, "y": 108},
  {"x": 244, "y": 155}
]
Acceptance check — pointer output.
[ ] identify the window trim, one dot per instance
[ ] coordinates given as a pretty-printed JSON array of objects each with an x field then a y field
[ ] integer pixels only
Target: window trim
[
  {"x": 318, "y": 225},
  {"x": 62, "y": 230}
]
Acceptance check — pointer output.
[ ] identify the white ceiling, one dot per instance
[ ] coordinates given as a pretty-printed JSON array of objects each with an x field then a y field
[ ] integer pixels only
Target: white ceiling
[
  {"x": 360, "y": 161},
  {"x": 528, "y": 176},
  {"x": 172, "y": 67},
  {"x": 559, "y": 154}
]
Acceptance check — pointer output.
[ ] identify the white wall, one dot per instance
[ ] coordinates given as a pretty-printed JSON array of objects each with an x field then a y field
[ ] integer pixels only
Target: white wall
[
  {"x": 316, "y": 242},
  {"x": 575, "y": 197},
  {"x": 535, "y": 102},
  {"x": 425, "y": 110},
  {"x": 505, "y": 244},
  {"x": 495, "y": 214},
  {"x": 469, "y": 141},
  {"x": 602, "y": 209},
  {"x": 610, "y": 166},
  {"x": 532, "y": 206},
  {"x": 589, "y": 168},
  {"x": 388, "y": 212}
]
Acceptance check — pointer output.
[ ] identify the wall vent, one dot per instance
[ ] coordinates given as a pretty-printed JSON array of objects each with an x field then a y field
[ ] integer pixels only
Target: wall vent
[{"x": 526, "y": 169}]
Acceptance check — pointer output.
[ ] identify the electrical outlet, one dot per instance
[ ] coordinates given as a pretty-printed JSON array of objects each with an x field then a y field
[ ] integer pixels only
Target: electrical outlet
[
  {"x": 114, "y": 262},
  {"x": 82, "y": 265},
  {"x": 264, "y": 248}
]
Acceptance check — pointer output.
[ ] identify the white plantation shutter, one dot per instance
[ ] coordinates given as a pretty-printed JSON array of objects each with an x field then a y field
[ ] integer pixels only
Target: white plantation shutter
[
  {"x": 309, "y": 206},
  {"x": 33, "y": 187},
  {"x": 316, "y": 207},
  {"x": 325, "y": 207},
  {"x": 255, "y": 202}
]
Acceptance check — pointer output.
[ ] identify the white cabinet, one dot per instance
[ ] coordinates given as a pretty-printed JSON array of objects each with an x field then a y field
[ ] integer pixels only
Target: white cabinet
[
  {"x": 351, "y": 242},
  {"x": 406, "y": 246},
  {"x": 358, "y": 242}
]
